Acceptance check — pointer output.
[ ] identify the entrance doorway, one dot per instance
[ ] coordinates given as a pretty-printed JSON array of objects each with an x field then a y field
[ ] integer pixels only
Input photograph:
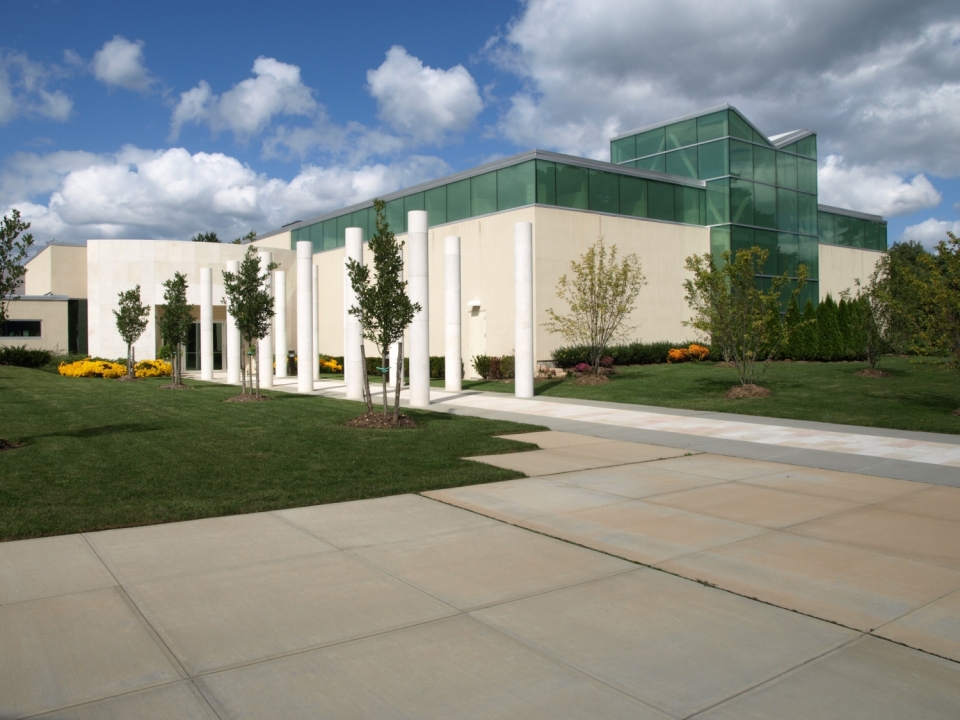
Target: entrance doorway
[{"x": 192, "y": 359}]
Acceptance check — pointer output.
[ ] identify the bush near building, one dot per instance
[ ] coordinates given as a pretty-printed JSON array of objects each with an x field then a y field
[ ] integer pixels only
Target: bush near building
[{"x": 635, "y": 353}]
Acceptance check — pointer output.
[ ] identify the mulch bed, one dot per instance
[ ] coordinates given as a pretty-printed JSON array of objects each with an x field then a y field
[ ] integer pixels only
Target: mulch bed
[
  {"x": 739, "y": 392},
  {"x": 171, "y": 386},
  {"x": 247, "y": 398},
  {"x": 872, "y": 372},
  {"x": 378, "y": 421},
  {"x": 956, "y": 413},
  {"x": 127, "y": 378},
  {"x": 591, "y": 379},
  {"x": 7, "y": 445}
]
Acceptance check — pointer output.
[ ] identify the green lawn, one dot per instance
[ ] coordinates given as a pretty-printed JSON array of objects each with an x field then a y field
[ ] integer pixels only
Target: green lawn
[
  {"x": 920, "y": 395},
  {"x": 102, "y": 454}
]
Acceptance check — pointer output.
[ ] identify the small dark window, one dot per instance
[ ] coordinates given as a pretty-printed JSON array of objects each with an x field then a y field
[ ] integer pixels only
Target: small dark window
[{"x": 21, "y": 328}]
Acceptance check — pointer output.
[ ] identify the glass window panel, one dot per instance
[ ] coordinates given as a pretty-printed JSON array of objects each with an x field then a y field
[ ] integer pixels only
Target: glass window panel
[
  {"x": 767, "y": 239},
  {"x": 652, "y": 141},
  {"x": 741, "y": 159},
  {"x": 764, "y": 205},
  {"x": 810, "y": 291},
  {"x": 682, "y": 134},
  {"x": 359, "y": 219},
  {"x": 718, "y": 201},
  {"x": 807, "y": 175},
  {"x": 825, "y": 228},
  {"x": 683, "y": 162},
  {"x": 316, "y": 237},
  {"x": 343, "y": 222},
  {"x": 435, "y": 203},
  {"x": 719, "y": 243},
  {"x": 633, "y": 196},
  {"x": 516, "y": 185},
  {"x": 413, "y": 202},
  {"x": 741, "y": 238},
  {"x": 792, "y": 147},
  {"x": 657, "y": 163},
  {"x": 571, "y": 186},
  {"x": 764, "y": 165},
  {"x": 739, "y": 127},
  {"x": 396, "y": 217},
  {"x": 879, "y": 236},
  {"x": 808, "y": 146},
  {"x": 841, "y": 230},
  {"x": 788, "y": 253},
  {"x": 857, "y": 228},
  {"x": 758, "y": 138},
  {"x": 604, "y": 192},
  {"x": 660, "y": 201},
  {"x": 483, "y": 194},
  {"x": 623, "y": 149},
  {"x": 458, "y": 200},
  {"x": 712, "y": 160},
  {"x": 546, "y": 183},
  {"x": 687, "y": 205},
  {"x": 786, "y": 170},
  {"x": 330, "y": 234},
  {"x": 741, "y": 201},
  {"x": 711, "y": 127},
  {"x": 787, "y": 210},
  {"x": 807, "y": 212},
  {"x": 810, "y": 256}
]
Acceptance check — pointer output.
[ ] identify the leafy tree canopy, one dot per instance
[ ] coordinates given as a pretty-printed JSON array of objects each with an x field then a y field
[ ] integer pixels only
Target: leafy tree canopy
[
  {"x": 13, "y": 252},
  {"x": 205, "y": 237}
]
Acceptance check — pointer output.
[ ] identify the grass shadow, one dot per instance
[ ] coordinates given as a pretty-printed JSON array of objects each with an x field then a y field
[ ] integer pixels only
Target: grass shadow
[{"x": 101, "y": 431}]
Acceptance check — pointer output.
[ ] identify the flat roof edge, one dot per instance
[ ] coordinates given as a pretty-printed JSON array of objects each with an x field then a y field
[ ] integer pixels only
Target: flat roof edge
[{"x": 851, "y": 213}]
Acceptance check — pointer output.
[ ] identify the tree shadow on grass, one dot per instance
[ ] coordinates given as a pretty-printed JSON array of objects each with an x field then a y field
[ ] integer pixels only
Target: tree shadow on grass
[{"x": 101, "y": 431}]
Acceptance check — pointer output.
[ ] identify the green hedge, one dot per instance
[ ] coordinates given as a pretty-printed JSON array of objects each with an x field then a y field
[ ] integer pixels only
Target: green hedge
[
  {"x": 20, "y": 356},
  {"x": 635, "y": 353},
  {"x": 492, "y": 367},
  {"x": 437, "y": 365}
]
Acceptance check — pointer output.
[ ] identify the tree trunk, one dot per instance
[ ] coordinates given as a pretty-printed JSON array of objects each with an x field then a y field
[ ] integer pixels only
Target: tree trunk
[
  {"x": 133, "y": 361},
  {"x": 398, "y": 373},
  {"x": 257, "y": 393},
  {"x": 366, "y": 379},
  {"x": 383, "y": 375},
  {"x": 129, "y": 366}
]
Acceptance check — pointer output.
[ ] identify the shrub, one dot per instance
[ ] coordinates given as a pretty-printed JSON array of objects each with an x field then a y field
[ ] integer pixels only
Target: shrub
[
  {"x": 581, "y": 367},
  {"x": 331, "y": 364},
  {"x": 636, "y": 353},
  {"x": 678, "y": 355},
  {"x": 481, "y": 363},
  {"x": 606, "y": 362},
  {"x": 153, "y": 368},
  {"x": 20, "y": 356},
  {"x": 698, "y": 352},
  {"x": 507, "y": 363},
  {"x": 93, "y": 368}
]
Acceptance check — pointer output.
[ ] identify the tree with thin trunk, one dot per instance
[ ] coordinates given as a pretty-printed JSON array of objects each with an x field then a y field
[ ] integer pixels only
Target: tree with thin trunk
[
  {"x": 383, "y": 307},
  {"x": 132, "y": 318},
  {"x": 251, "y": 306},
  {"x": 601, "y": 292},
  {"x": 176, "y": 322},
  {"x": 13, "y": 251}
]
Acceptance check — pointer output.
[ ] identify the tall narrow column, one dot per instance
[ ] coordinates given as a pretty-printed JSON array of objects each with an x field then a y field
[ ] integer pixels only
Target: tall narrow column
[
  {"x": 419, "y": 274},
  {"x": 353, "y": 369},
  {"x": 523, "y": 319},
  {"x": 451, "y": 283},
  {"x": 265, "y": 346},
  {"x": 315, "y": 319},
  {"x": 394, "y": 361},
  {"x": 304, "y": 315},
  {"x": 280, "y": 324},
  {"x": 206, "y": 323},
  {"x": 233, "y": 336}
]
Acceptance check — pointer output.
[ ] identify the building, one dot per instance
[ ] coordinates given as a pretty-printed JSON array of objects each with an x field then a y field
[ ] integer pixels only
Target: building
[{"x": 708, "y": 182}]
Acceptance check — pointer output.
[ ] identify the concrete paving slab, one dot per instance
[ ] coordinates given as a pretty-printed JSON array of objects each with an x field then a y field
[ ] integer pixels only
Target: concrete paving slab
[
  {"x": 676, "y": 644},
  {"x": 840, "y": 485},
  {"x": 45, "y": 567},
  {"x": 933, "y": 502},
  {"x": 867, "y": 680},
  {"x": 143, "y": 554},
  {"x": 857, "y": 588},
  {"x": 478, "y": 567},
  {"x": 722, "y": 467},
  {"x": 898, "y": 533},
  {"x": 215, "y": 620},
  {"x": 455, "y": 668},
  {"x": 621, "y": 452},
  {"x": 383, "y": 520},
  {"x": 178, "y": 700},
  {"x": 548, "y": 439},
  {"x": 542, "y": 462},
  {"x": 636, "y": 481},
  {"x": 753, "y": 504},
  {"x": 640, "y": 531},
  {"x": 513, "y": 499},
  {"x": 69, "y": 649},
  {"x": 934, "y": 628}
]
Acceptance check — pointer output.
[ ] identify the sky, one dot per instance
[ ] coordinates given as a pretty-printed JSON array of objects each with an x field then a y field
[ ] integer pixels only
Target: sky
[{"x": 162, "y": 120}]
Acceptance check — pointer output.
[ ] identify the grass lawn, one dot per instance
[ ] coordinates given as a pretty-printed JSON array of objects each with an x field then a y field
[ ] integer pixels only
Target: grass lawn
[
  {"x": 102, "y": 453},
  {"x": 920, "y": 395}
]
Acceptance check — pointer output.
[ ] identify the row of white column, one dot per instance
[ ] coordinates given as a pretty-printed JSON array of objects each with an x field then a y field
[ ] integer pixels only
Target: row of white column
[{"x": 418, "y": 285}]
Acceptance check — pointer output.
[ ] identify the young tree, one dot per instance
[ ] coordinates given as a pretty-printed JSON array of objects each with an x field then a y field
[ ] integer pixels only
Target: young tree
[
  {"x": 601, "y": 293},
  {"x": 383, "y": 308},
  {"x": 791, "y": 324},
  {"x": 205, "y": 237},
  {"x": 249, "y": 237},
  {"x": 13, "y": 251},
  {"x": 734, "y": 311},
  {"x": 176, "y": 321},
  {"x": 131, "y": 322},
  {"x": 940, "y": 293},
  {"x": 250, "y": 304}
]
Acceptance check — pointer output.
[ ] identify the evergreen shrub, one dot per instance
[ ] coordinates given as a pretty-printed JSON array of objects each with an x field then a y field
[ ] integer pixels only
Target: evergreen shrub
[{"x": 21, "y": 356}]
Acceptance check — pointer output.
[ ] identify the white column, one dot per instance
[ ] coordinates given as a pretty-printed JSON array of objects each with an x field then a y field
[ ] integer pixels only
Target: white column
[
  {"x": 280, "y": 325},
  {"x": 523, "y": 319},
  {"x": 394, "y": 361},
  {"x": 304, "y": 315},
  {"x": 451, "y": 283},
  {"x": 419, "y": 285},
  {"x": 265, "y": 346},
  {"x": 353, "y": 334},
  {"x": 233, "y": 336},
  {"x": 206, "y": 323},
  {"x": 315, "y": 319}
]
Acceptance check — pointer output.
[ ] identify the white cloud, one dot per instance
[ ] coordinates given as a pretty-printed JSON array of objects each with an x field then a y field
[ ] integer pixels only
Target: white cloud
[
  {"x": 119, "y": 63},
  {"x": 423, "y": 102},
  {"x": 250, "y": 105},
  {"x": 172, "y": 194},
  {"x": 930, "y": 232},
  {"x": 871, "y": 190},
  {"x": 24, "y": 90}
]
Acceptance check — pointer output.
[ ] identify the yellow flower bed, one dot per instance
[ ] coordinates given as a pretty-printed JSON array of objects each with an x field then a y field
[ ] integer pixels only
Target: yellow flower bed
[
  {"x": 330, "y": 365},
  {"x": 694, "y": 352},
  {"x": 112, "y": 370},
  {"x": 153, "y": 368}
]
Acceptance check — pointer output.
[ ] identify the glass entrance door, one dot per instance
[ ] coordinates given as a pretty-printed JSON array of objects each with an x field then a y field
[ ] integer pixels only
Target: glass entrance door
[{"x": 192, "y": 355}]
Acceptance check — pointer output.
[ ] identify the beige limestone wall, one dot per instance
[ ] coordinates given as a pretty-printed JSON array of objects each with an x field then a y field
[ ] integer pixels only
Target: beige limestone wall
[
  {"x": 52, "y": 315},
  {"x": 841, "y": 266},
  {"x": 279, "y": 241},
  {"x": 58, "y": 270}
]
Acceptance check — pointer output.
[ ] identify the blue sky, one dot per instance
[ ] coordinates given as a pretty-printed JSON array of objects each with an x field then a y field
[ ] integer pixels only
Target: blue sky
[{"x": 165, "y": 119}]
